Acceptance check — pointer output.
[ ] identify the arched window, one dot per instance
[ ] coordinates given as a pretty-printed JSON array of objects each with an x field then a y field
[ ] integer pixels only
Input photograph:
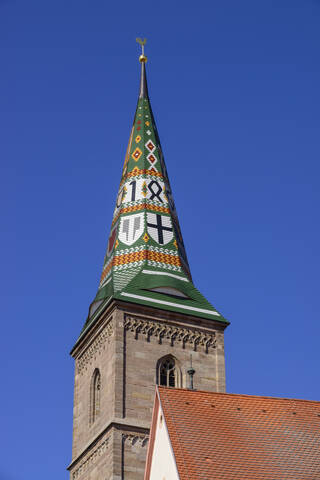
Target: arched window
[
  {"x": 168, "y": 372},
  {"x": 95, "y": 396}
]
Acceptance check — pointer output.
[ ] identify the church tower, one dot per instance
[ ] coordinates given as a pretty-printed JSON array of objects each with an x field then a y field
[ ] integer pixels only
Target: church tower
[{"x": 145, "y": 321}]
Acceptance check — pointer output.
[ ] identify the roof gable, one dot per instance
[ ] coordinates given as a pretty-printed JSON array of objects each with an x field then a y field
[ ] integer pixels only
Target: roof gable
[
  {"x": 160, "y": 455},
  {"x": 239, "y": 437}
]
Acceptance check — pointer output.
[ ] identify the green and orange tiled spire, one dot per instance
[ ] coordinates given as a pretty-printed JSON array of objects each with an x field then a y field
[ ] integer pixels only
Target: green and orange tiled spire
[{"x": 145, "y": 260}]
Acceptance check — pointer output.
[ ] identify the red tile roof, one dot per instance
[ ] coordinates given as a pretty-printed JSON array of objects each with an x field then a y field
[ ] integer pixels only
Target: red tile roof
[{"x": 219, "y": 436}]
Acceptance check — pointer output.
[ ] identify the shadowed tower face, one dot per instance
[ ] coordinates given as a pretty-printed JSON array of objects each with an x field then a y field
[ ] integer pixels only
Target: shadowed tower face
[{"x": 146, "y": 319}]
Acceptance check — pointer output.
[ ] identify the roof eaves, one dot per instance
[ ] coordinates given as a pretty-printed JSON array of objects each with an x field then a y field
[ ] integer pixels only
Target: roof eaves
[{"x": 173, "y": 306}]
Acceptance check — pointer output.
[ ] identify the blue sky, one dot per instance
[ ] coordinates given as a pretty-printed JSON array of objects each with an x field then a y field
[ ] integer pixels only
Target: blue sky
[{"x": 235, "y": 91}]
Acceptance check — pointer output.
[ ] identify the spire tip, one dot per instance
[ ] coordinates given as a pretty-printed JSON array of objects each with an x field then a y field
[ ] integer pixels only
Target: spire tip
[{"x": 142, "y": 58}]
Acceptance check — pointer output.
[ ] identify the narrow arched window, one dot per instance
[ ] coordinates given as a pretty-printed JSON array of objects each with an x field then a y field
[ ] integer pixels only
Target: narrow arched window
[
  {"x": 168, "y": 372},
  {"x": 95, "y": 396}
]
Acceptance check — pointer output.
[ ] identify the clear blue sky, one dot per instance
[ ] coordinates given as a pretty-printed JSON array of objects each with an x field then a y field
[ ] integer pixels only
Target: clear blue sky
[{"x": 235, "y": 91}]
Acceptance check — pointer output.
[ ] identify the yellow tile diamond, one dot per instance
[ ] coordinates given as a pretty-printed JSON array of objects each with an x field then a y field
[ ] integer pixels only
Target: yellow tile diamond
[{"x": 136, "y": 154}]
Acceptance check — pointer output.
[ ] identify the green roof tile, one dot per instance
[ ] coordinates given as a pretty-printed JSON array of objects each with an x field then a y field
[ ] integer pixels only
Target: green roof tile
[{"x": 145, "y": 249}]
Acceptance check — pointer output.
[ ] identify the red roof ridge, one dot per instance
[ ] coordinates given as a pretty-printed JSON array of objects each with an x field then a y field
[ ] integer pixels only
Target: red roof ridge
[{"x": 237, "y": 394}]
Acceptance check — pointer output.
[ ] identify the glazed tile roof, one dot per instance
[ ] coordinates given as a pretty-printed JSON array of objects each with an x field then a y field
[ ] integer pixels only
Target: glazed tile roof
[
  {"x": 145, "y": 248},
  {"x": 218, "y": 436}
]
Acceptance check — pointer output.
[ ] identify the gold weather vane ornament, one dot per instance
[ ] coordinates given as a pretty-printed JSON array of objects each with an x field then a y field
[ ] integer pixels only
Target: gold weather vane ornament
[{"x": 142, "y": 57}]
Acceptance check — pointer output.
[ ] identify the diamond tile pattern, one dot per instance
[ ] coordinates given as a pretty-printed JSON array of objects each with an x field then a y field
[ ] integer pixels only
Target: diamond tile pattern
[
  {"x": 144, "y": 193},
  {"x": 144, "y": 218}
]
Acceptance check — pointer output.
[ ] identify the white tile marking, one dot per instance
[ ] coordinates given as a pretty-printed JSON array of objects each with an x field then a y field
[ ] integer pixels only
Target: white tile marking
[
  {"x": 106, "y": 281},
  {"x": 178, "y": 305},
  {"x": 150, "y": 272}
]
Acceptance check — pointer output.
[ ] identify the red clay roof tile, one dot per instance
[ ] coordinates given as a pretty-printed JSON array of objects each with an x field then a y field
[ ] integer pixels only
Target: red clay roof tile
[{"x": 219, "y": 436}]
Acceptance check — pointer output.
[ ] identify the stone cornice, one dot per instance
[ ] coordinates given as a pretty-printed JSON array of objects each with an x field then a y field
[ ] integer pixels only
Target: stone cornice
[
  {"x": 135, "y": 426},
  {"x": 107, "y": 310},
  {"x": 90, "y": 458},
  {"x": 174, "y": 333},
  {"x": 95, "y": 347},
  {"x": 147, "y": 311},
  {"x": 163, "y": 315},
  {"x": 132, "y": 438}
]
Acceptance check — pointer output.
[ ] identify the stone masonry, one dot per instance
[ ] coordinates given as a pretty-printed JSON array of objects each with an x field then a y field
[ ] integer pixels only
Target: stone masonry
[{"x": 125, "y": 344}]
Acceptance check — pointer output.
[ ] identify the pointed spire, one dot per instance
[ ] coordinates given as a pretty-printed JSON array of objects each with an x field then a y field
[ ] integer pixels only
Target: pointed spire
[
  {"x": 145, "y": 260},
  {"x": 143, "y": 81},
  {"x": 143, "y": 60}
]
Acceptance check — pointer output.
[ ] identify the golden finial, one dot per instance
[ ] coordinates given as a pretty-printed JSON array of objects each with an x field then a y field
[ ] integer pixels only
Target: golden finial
[{"x": 142, "y": 57}]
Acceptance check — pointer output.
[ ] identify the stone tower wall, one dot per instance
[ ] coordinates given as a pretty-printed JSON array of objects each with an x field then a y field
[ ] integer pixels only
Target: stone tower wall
[
  {"x": 97, "y": 352},
  {"x": 126, "y": 345}
]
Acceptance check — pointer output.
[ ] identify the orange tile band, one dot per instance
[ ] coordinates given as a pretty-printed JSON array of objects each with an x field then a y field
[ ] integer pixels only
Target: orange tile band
[
  {"x": 142, "y": 206},
  {"x": 136, "y": 171},
  {"x": 138, "y": 256}
]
